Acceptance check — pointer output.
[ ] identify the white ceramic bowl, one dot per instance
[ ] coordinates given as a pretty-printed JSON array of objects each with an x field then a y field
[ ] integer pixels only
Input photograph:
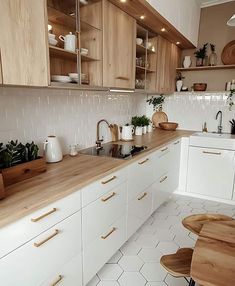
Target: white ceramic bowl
[
  {"x": 84, "y": 51},
  {"x": 61, "y": 78},
  {"x": 51, "y": 36},
  {"x": 53, "y": 42},
  {"x": 139, "y": 41},
  {"x": 74, "y": 77}
]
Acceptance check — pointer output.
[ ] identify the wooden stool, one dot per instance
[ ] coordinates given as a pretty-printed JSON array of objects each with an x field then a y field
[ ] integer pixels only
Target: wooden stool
[
  {"x": 179, "y": 263},
  {"x": 194, "y": 223}
]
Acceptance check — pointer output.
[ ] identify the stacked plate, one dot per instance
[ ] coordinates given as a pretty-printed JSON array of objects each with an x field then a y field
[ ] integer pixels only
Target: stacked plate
[{"x": 61, "y": 78}]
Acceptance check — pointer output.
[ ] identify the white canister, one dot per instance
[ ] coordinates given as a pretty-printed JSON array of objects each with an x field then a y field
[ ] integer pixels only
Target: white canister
[
  {"x": 138, "y": 130},
  {"x": 144, "y": 129},
  {"x": 150, "y": 128},
  {"x": 127, "y": 132},
  {"x": 52, "y": 149},
  {"x": 179, "y": 85},
  {"x": 69, "y": 42},
  {"x": 187, "y": 62}
]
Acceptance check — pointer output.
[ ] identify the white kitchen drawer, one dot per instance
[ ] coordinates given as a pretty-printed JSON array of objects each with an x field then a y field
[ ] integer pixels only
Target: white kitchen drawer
[
  {"x": 32, "y": 225},
  {"x": 99, "y": 215},
  {"x": 162, "y": 161},
  {"x": 103, "y": 248},
  {"x": 69, "y": 274},
  {"x": 31, "y": 264},
  {"x": 211, "y": 172},
  {"x": 139, "y": 209},
  {"x": 100, "y": 187},
  {"x": 140, "y": 176},
  {"x": 175, "y": 150}
]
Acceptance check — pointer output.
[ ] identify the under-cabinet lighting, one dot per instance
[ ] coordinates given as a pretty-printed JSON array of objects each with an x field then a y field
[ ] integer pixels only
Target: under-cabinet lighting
[
  {"x": 231, "y": 21},
  {"x": 123, "y": 1},
  {"x": 142, "y": 17},
  {"x": 163, "y": 29},
  {"x": 49, "y": 27},
  {"x": 177, "y": 43},
  {"x": 121, "y": 90},
  {"x": 72, "y": 13}
]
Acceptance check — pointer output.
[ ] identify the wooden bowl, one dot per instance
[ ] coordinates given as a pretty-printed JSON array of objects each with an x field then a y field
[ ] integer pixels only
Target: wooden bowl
[
  {"x": 199, "y": 86},
  {"x": 171, "y": 126}
]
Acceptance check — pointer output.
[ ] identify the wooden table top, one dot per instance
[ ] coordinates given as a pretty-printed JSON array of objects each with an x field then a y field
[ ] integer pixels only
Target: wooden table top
[
  {"x": 72, "y": 174},
  {"x": 213, "y": 262}
]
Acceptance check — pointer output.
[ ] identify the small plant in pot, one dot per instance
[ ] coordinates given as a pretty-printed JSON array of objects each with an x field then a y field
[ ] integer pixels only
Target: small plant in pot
[
  {"x": 158, "y": 115},
  {"x": 145, "y": 122},
  {"x": 136, "y": 121},
  {"x": 200, "y": 55},
  {"x": 179, "y": 81}
]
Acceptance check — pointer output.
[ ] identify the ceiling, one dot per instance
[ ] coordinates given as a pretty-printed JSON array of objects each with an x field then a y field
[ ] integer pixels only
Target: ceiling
[{"x": 207, "y": 3}]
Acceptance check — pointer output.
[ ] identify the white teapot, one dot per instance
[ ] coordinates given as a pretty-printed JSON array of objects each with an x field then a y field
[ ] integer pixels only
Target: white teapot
[{"x": 69, "y": 42}]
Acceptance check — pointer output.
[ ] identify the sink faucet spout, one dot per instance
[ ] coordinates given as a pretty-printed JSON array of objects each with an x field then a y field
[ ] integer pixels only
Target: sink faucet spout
[{"x": 220, "y": 127}]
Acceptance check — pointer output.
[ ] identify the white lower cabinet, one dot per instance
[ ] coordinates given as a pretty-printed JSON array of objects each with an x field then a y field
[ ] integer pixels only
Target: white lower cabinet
[
  {"x": 139, "y": 209},
  {"x": 32, "y": 263},
  {"x": 211, "y": 172},
  {"x": 101, "y": 249}
]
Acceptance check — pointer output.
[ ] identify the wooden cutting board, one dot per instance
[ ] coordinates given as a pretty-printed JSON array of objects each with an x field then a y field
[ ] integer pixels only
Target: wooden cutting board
[
  {"x": 158, "y": 117},
  {"x": 228, "y": 54}
]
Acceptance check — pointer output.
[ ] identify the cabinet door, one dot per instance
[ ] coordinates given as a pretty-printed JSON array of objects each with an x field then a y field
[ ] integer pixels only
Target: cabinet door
[
  {"x": 167, "y": 62},
  {"x": 118, "y": 48},
  {"x": 0, "y": 68},
  {"x": 211, "y": 172},
  {"x": 23, "y": 42}
]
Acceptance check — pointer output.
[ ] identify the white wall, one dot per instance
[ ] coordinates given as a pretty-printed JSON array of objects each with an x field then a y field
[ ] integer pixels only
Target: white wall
[
  {"x": 32, "y": 114},
  {"x": 191, "y": 110}
]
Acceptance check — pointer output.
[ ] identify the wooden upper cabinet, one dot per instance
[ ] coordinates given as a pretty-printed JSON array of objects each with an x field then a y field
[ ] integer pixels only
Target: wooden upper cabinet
[
  {"x": 0, "y": 68},
  {"x": 167, "y": 61},
  {"x": 23, "y": 42},
  {"x": 119, "y": 47}
]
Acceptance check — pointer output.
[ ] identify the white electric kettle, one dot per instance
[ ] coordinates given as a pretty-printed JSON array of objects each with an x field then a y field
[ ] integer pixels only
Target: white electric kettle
[
  {"x": 52, "y": 149},
  {"x": 69, "y": 42},
  {"x": 127, "y": 132}
]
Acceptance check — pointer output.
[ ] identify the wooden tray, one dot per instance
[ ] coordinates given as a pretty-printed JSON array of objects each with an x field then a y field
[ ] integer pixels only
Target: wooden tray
[
  {"x": 228, "y": 54},
  {"x": 158, "y": 117}
]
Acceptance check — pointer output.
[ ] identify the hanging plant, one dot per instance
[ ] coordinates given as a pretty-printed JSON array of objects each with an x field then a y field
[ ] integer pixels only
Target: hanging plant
[
  {"x": 157, "y": 102},
  {"x": 230, "y": 99}
]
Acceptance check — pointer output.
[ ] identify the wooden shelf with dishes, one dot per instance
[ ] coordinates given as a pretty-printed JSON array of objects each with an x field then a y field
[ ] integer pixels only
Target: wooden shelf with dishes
[
  {"x": 204, "y": 68},
  {"x": 146, "y": 59},
  {"x": 82, "y": 63}
]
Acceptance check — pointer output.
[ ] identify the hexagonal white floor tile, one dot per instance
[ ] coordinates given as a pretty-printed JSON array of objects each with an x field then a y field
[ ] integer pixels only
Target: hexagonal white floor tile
[
  {"x": 147, "y": 240},
  {"x": 131, "y": 263},
  {"x": 94, "y": 281},
  {"x": 172, "y": 281},
  {"x": 150, "y": 255},
  {"x": 156, "y": 284},
  {"x": 110, "y": 272},
  {"x": 116, "y": 257},
  {"x": 164, "y": 235},
  {"x": 108, "y": 283},
  {"x": 130, "y": 248},
  {"x": 196, "y": 205},
  {"x": 153, "y": 272},
  {"x": 167, "y": 247},
  {"x": 184, "y": 240},
  {"x": 131, "y": 279}
]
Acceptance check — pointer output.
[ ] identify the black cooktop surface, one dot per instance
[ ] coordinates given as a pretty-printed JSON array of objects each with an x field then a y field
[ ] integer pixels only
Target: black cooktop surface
[{"x": 115, "y": 151}]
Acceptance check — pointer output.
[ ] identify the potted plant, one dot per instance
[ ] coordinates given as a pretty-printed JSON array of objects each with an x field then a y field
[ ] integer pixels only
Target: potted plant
[
  {"x": 213, "y": 56},
  {"x": 18, "y": 162},
  {"x": 200, "y": 55},
  {"x": 230, "y": 99},
  {"x": 158, "y": 115},
  {"x": 145, "y": 122},
  {"x": 179, "y": 81},
  {"x": 136, "y": 121}
]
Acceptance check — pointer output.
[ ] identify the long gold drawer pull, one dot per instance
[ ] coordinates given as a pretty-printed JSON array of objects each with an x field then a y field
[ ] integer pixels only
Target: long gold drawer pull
[
  {"x": 109, "y": 180},
  {"x": 108, "y": 198},
  {"x": 144, "y": 195},
  {"x": 163, "y": 179},
  {"x": 164, "y": 149},
  {"x": 60, "y": 277},
  {"x": 177, "y": 142},
  {"x": 44, "y": 215},
  {"x": 38, "y": 244},
  {"x": 212, "y": 153},
  {"x": 141, "y": 163},
  {"x": 107, "y": 235}
]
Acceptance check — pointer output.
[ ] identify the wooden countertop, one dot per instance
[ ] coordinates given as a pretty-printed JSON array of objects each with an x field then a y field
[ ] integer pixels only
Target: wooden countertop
[
  {"x": 213, "y": 261},
  {"x": 72, "y": 174}
]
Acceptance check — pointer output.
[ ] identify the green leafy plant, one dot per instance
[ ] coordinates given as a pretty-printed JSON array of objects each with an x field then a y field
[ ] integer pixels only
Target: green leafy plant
[
  {"x": 201, "y": 53},
  {"x": 145, "y": 120},
  {"x": 157, "y": 102},
  {"x": 136, "y": 121},
  {"x": 230, "y": 99},
  {"x": 179, "y": 76},
  {"x": 15, "y": 153}
]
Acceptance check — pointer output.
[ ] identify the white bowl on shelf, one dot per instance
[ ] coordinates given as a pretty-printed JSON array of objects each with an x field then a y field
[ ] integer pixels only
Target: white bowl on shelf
[
  {"x": 53, "y": 42},
  {"x": 84, "y": 52},
  {"x": 139, "y": 41},
  {"x": 61, "y": 78},
  {"x": 74, "y": 77},
  {"x": 51, "y": 36}
]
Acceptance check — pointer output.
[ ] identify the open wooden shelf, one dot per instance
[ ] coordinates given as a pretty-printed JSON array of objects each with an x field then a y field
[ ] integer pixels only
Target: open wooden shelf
[
  {"x": 141, "y": 50},
  {"x": 58, "y": 17},
  {"x": 61, "y": 53},
  {"x": 220, "y": 67},
  {"x": 88, "y": 59},
  {"x": 143, "y": 69},
  {"x": 86, "y": 27}
]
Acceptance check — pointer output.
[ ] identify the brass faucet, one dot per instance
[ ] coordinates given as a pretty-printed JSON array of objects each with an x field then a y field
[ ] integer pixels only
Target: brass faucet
[{"x": 98, "y": 140}]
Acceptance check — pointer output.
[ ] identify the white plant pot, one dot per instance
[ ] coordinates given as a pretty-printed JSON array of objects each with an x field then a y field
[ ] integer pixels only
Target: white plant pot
[
  {"x": 144, "y": 129},
  {"x": 150, "y": 128},
  {"x": 187, "y": 62},
  {"x": 138, "y": 130},
  {"x": 179, "y": 85}
]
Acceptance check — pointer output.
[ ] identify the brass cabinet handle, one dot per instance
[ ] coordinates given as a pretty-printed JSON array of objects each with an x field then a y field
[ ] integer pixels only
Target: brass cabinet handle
[
  {"x": 109, "y": 180},
  {"x": 108, "y": 198},
  {"x": 212, "y": 153},
  {"x": 144, "y": 195},
  {"x": 38, "y": 244},
  {"x": 177, "y": 142},
  {"x": 44, "y": 215},
  {"x": 107, "y": 235},
  {"x": 141, "y": 163},
  {"x": 164, "y": 149},
  {"x": 163, "y": 179},
  {"x": 60, "y": 277},
  {"x": 122, "y": 78}
]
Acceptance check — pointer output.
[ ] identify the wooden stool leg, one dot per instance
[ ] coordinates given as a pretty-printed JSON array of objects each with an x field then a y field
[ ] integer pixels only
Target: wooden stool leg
[{"x": 191, "y": 282}]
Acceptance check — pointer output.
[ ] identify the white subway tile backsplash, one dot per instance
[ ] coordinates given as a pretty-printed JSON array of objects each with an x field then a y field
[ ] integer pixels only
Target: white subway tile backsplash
[{"x": 33, "y": 113}]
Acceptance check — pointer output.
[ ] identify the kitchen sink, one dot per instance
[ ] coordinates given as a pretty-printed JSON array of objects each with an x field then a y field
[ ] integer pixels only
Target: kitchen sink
[{"x": 213, "y": 140}]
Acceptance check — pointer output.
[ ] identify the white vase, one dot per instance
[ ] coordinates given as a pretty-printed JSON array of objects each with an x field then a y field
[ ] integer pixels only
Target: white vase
[
  {"x": 52, "y": 149},
  {"x": 138, "y": 130},
  {"x": 179, "y": 85},
  {"x": 187, "y": 62},
  {"x": 149, "y": 128},
  {"x": 144, "y": 129}
]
